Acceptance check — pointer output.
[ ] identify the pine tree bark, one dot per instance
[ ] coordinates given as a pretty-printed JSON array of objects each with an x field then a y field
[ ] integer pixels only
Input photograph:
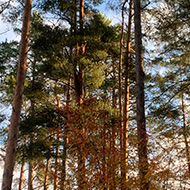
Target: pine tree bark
[
  {"x": 126, "y": 99},
  {"x": 17, "y": 101},
  {"x": 140, "y": 101}
]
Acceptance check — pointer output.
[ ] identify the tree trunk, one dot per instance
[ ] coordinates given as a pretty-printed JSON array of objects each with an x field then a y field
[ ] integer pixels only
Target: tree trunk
[
  {"x": 30, "y": 176},
  {"x": 17, "y": 101},
  {"x": 140, "y": 102},
  {"x": 126, "y": 99},
  {"x": 46, "y": 174},
  {"x": 21, "y": 176},
  {"x": 185, "y": 135}
]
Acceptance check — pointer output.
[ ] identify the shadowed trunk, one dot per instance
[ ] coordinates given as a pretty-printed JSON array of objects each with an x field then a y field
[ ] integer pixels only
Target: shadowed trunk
[
  {"x": 140, "y": 102},
  {"x": 17, "y": 101}
]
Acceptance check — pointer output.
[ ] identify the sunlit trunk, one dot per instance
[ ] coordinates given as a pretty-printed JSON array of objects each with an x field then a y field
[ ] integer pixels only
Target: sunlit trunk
[{"x": 17, "y": 101}]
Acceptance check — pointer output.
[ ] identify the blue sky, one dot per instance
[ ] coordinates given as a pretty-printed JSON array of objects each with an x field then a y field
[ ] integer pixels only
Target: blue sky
[{"x": 6, "y": 31}]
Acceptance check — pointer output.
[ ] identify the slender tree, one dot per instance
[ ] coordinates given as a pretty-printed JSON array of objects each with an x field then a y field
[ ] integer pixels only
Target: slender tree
[
  {"x": 140, "y": 101},
  {"x": 17, "y": 101}
]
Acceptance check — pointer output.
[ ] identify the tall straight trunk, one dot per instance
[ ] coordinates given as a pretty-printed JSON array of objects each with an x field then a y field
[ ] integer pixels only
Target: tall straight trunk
[
  {"x": 17, "y": 101},
  {"x": 21, "y": 176},
  {"x": 46, "y": 174},
  {"x": 30, "y": 176},
  {"x": 120, "y": 92},
  {"x": 140, "y": 101},
  {"x": 126, "y": 99},
  {"x": 185, "y": 135}
]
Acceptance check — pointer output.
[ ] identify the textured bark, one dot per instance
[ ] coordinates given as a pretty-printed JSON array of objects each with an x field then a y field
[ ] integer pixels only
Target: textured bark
[
  {"x": 140, "y": 102},
  {"x": 126, "y": 99},
  {"x": 17, "y": 101}
]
